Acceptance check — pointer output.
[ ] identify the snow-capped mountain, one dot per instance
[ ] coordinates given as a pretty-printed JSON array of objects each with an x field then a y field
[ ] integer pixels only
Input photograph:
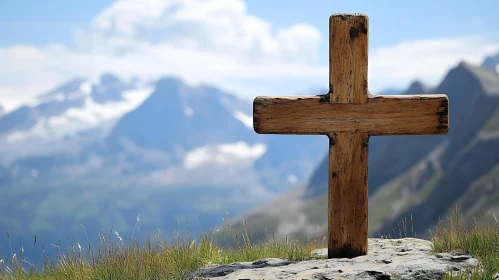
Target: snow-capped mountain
[
  {"x": 181, "y": 117},
  {"x": 491, "y": 62},
  {"x": 200, "y": 126},
  {"x": 76, "y": 106}
]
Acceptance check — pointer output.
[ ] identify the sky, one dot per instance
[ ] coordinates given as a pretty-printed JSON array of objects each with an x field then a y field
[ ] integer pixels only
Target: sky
[{"x": 252, "y": 47}]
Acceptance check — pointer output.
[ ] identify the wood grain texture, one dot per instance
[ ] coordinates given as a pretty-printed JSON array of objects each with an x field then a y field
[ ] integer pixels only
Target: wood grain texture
[
  {"x": 348, "y": 50},
  {"x": 347, "y": 196},
  {"x": 348, "y": 152},
  {"x": 381, "y": 115}
]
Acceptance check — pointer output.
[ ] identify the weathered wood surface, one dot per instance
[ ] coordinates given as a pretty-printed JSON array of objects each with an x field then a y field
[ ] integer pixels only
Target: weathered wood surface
[
  {"x": 381, "y": 115},
  {"x": 348, "y": 50},
  {"x": 348, "y": 152},
  {"x": 347, "y": 196},
  {"x": 349, "y": 115}
]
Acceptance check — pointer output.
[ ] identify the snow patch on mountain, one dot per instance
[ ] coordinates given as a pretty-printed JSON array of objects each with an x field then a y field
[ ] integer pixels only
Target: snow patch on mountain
[
  {"x": 87, "y": 117},
  {"x": 73, "y": 90},
  {"x": 245, "y": 119},
  {"x": 223, "y": 154}
]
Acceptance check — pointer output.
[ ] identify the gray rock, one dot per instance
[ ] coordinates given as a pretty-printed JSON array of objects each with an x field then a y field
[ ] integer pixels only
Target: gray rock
[{"x": 407, "y": 258}]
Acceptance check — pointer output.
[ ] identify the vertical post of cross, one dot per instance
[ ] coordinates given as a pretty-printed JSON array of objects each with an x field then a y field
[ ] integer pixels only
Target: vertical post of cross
[{"x": 348, "y": 152}]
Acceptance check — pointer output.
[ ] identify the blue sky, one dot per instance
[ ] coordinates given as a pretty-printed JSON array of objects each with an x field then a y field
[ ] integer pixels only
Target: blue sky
[
  {"x": 42, "y": 22},
  {"x": 260, "y": 47}
]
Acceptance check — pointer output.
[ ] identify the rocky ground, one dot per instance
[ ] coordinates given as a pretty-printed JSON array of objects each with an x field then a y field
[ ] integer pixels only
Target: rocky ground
[{"x": 407, "y": 258}]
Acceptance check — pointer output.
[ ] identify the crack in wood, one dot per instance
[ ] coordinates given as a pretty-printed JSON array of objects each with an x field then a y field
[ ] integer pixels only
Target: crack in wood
[
  {"x": 332, "y": 139},
  {"x": 443, "y": 116},
  {"x": 356, "y": 30},
  {"x": 324, "y": 98}
]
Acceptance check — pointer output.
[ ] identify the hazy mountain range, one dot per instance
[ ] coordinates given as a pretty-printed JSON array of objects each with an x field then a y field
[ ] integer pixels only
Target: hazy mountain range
[{"x": 100, "y": 152}]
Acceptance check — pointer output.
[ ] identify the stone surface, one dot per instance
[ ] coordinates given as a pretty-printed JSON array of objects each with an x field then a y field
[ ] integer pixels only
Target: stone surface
[{"x": 407, "y": 258}]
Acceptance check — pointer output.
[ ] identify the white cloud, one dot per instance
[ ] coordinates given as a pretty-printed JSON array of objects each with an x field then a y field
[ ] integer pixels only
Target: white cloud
[
  {"x": 125, "y": 17},
  {"x": 427, "y": 60},
  {"x": 223, "y": 155},
  {"x": 212, "y": 26},
  {"x": 224, "y": 167},
  {"x": 210, "y": 41},
  {"x": 245, "y": 119},
  {"x": 216, "y": 42}
]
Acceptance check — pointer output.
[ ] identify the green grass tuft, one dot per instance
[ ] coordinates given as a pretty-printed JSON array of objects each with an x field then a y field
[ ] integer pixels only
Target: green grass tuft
[
  {"x": 479, "y": 238},
  {"x": 155, "y": 259},
  {"x": 160, "y": 258}
]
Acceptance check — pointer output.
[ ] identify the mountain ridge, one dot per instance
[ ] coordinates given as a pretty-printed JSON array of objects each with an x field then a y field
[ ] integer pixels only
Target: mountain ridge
[
  {"x": 77, "y": 105},
  {"x": 491, "y": 62},
  {"x": 412, "y": 176},
  {"x": 180, "y": 152}
]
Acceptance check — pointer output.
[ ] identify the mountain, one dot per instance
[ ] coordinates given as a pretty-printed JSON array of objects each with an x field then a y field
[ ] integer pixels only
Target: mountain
[
  {"x": 457, "y": 169},
  {"x": 100, "y": 152},
  {"x": 188, "y": 112},
  {"x": 422, "y": 177},
  {"x": 77, "y": 105},
  {"x": 177, "y": 116},
  {"x": 389, "y": 91},
  {"x": 491, "y": 62},
  {"x": 417, "y": 87},
  {"x": 167, "y": 151}
]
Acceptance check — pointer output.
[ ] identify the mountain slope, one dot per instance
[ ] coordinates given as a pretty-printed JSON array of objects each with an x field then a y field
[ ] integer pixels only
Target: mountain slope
[
  {"x": 302, "y": 212},
  {"x": 55, "y": 184},
  {"x": 177, "y": 116},
  {"x": 465, "y": 170},
  {"x": 422, "y": 176},
  {"x": 433, "y": 185},
  {"x": 180, "y": 152}
]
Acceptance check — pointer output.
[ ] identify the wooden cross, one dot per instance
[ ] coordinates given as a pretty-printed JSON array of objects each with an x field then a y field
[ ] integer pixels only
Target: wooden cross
[{"x": 348, "y": 114}]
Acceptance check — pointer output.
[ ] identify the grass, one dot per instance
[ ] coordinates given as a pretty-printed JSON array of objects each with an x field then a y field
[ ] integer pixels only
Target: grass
[
  {"x": 480, "y": 239},
  {"x": 156, "y": 258},
  {"x": 160, "y": 258}
]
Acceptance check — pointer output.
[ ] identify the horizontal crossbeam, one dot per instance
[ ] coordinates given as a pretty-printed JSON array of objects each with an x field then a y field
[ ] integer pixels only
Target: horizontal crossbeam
[{"x": 381, "y": 115}]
